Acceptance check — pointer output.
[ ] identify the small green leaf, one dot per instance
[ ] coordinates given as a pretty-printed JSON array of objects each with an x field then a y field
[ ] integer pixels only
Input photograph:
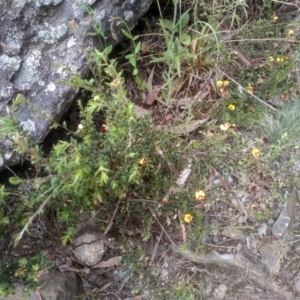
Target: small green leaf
[
  {"x": 68, "y": 236},
  {"x": 16, "y": 238},
  {"x": 186, "y": 39},
  {"x": 183, "y": 21},
  {"x": 3, "y": 194},
  {"x": 14, "y": 180},
  {"x": 128, "y": 35},
  {"x": 168, "y": 24},
  {"x": 134, "y": 175},
  {"x": 132, "y": 59},
  {"x": 137, "y": 48},
  {"x": 103, "y": 178},
  {"x": 55, "y": 182},
  {"x": 107, "y": 51},
  {"x": 4, "y": 221}
]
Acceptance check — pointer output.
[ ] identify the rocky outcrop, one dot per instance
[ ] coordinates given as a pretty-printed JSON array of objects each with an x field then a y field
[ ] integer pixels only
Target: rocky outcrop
[
  {"x": 40, "y": 40},
  {"x": 64, "y": 286}
]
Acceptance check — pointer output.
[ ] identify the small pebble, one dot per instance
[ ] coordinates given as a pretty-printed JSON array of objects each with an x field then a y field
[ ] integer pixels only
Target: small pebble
[
  {"x": 220, "y": 292},
  {"x": 120, "y": 274},
  {"x": 216, "y": 239},
  {"x": 215, "y": 232},
  {"x": 262, "y": 206},
  {"x": 239, "y": 246},
  {"x": 229, "y": 179},
  {"x": 241, "y": 219},
  {"x": 297, "y": 285}
]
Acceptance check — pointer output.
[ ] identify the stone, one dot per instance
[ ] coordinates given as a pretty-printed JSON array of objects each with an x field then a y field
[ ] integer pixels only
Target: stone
[
  {"x": 57, "y": 286},
  {"x": 272, "y": 254},
  {"x": 297, "y": 285},
  {"x": 286, "y": 215},
  {"x": 89, "y": 249},
  {"x": 61, "y": 286},
  {"x": 220, "y": 292},
  {"x": 40, "y": 40}
]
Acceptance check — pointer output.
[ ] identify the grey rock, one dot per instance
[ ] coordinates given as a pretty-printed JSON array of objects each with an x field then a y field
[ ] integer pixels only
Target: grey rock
[
  {"x": 9, "y": 157},
  {"x": 220, "y": 292},
  {"x": 286, "y": 215},
  {"x": 120, "y": 274},
  {"x": 41, "y": 39},
  {"x": 262, "y": 230},
  {"x": 272, "y": 254},
  {"x": 208, "y": 286},
  {"x": 89, "y": 249},
  {"x": 297, "y": 285},
  {"x": 62, "y": 286}
]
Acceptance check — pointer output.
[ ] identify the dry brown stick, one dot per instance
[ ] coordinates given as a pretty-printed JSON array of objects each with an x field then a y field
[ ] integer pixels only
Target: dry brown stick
[
  {"x": 252, "y": 95},
  {"x": 112, "y": 219},
  {"x": 161, "y": 226},
  {"x": 156, "y": 245}
]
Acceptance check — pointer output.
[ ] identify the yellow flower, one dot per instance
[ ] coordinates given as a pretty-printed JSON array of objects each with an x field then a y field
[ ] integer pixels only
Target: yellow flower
[
  {"x": 271, "y": 58},
  {"x": 220, "y": 83},
  {"x": 188, "y": 218},
  {"x": 290, "y": 32},
  {"x": 200, "y": 195},
  {"x": 143, "y": 161},
  {"x": 224, "y": 126},
  {"x": 231, "y": 107},
  {"x": 275, "y": 17},
  {"x": 279, "y": 59},
  {"x": 250, "y": 89},
  {"x": 225, "y": 83},
  {"x": 256, "y": 153}
]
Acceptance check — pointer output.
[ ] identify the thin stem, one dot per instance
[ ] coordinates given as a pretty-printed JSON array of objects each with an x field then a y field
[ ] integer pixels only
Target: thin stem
[
  {"x": 40, "y": 209},
  {"x": 255, "y": 97}
]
